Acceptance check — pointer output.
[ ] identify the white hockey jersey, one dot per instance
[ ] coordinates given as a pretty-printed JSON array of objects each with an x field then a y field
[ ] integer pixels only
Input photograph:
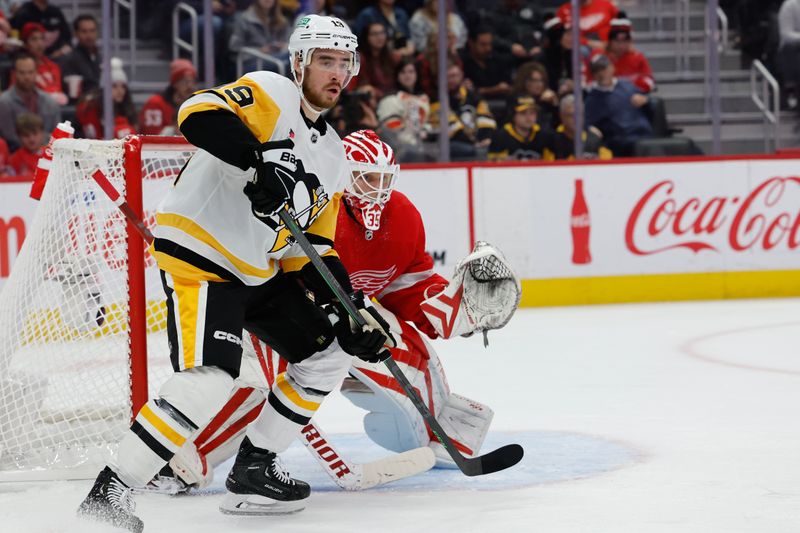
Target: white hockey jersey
[{"x": 206, "y": 218}]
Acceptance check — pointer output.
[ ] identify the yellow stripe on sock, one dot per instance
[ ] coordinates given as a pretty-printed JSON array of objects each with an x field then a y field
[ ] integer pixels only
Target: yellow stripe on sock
[
  {"x": 176, "y": 438},
  {"x": 293, "y": 395}
]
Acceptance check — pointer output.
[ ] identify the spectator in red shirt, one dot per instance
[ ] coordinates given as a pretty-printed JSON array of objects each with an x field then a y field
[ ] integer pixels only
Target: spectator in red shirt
[
  {"x": 31, "y": 136},
  {"x": 160, "y": 112},
  {"x": 595, "y": 19},
  {"x": 90, "y": 107},
  {"x": 48, "y": 73},
  {"x": 629, "y": 63}
]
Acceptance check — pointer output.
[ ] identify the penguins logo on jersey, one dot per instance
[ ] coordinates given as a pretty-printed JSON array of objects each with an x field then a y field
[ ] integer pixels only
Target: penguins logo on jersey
[{"x": 309, "y": 198}]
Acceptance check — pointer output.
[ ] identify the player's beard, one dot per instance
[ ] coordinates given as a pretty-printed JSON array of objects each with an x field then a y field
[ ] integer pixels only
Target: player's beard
[{"x": 319, "y": 100}]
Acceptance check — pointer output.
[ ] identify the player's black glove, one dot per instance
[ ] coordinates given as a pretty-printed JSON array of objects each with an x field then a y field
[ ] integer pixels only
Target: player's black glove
[
  {"x": 371, "y": 343},
  {"x": 274, "y": 180}
]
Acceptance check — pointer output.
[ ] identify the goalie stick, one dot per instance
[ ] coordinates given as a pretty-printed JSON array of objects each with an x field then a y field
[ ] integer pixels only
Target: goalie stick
[
  {"x": 499, "y": 459},
  {"x": 346, "y": 474}
]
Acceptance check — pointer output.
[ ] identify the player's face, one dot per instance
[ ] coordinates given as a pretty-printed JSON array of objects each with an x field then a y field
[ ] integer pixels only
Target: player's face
[
  {"x": 325, "y": 76},
  {"x": 373, "y": 186}
]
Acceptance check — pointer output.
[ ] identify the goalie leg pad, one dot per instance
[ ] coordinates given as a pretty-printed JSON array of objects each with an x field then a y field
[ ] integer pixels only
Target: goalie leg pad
[
  {"x": 219, "y": 440},
  {"x": 467, "y": 423}
]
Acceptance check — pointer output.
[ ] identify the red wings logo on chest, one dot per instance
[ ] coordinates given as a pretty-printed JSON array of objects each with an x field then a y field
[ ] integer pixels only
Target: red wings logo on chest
[{"x": 372, "y": 282}]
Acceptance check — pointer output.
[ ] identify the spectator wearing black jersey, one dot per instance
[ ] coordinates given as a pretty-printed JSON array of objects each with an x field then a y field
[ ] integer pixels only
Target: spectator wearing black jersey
[{"x": 521, "y": 138}]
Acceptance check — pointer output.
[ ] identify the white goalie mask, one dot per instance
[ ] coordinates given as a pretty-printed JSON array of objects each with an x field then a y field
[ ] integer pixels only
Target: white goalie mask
[
  {"x": 320, "y": 32},
  {"x": 373, "y": 175}
]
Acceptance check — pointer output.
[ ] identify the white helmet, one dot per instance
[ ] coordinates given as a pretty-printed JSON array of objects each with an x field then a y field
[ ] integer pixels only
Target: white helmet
[
  {"x": 316, "y": 31},
  {"x": 373, "y": 176}
]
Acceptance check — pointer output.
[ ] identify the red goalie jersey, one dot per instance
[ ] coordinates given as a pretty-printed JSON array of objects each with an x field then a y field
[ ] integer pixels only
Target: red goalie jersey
[{"x": 390, "y": 264}]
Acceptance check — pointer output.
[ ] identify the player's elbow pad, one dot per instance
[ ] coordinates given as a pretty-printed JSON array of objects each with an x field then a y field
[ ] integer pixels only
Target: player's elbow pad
[
  {"x": 314, "y": 281},
  {"x": 223, "y": 135}
]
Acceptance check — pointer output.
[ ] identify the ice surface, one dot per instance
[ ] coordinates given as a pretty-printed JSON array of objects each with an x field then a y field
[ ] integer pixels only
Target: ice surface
[{"x": 678, "y": 417}]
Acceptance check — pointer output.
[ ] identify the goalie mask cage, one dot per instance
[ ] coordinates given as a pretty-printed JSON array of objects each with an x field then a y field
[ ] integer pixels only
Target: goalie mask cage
[{"x": 82, "y": 316}]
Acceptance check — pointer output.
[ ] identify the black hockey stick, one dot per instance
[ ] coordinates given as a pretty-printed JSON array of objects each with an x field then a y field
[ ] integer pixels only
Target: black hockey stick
[{"x": 499, "y": 459}]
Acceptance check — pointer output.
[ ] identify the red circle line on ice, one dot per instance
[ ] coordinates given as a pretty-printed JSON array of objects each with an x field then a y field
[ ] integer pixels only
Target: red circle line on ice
[{"x": 692, "y": 349}]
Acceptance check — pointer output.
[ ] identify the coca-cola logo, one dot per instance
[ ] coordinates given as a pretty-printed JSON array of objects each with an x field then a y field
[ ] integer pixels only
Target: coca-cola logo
[
  {"x": 756, "y": 221},
  {"x": 580, "y": 221}
]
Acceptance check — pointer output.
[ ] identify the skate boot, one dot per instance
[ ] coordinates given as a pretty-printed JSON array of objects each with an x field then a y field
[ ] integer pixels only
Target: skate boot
[
  {"x": 258, "y": 485},
  {"x": 110, "y": 501}
]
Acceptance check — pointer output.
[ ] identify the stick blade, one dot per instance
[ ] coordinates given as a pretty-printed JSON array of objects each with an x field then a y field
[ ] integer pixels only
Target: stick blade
[
  {"x": 396, "y": 467},
  {"x": 494, "y": 461}
]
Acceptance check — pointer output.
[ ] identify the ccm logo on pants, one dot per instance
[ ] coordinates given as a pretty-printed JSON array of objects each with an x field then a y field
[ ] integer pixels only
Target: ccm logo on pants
[{"x": 225, "y": 336}]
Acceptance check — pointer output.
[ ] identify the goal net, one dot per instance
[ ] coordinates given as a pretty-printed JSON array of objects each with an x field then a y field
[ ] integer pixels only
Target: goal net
[{"x": 82, "y": 315}]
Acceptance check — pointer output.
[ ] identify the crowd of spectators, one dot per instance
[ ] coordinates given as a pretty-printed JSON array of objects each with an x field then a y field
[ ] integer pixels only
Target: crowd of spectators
[
  {"x": 509, "y": 67},
  {"x": 508, "y": 70}
]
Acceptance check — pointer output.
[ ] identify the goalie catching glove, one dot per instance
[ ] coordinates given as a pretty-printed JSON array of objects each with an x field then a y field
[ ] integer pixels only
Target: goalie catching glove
[
  {"x": 483, "y": 295},
  {"x": 274, "y": 182},
  {"x": 370, "y": 343}
]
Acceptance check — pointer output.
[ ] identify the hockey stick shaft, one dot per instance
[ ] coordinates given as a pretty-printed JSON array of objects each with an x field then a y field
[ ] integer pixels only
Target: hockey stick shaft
[
  {"x": 497, "y": 460},
  {"x": 374, "y": 473}
]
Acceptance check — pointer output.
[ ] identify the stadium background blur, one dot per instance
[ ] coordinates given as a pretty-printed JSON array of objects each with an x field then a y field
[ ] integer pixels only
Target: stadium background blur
[{"x": 645, "y": 73}]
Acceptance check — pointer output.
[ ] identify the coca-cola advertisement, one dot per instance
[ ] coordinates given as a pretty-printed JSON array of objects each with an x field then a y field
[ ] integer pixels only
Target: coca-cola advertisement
[{"x": 641, "y": 218}]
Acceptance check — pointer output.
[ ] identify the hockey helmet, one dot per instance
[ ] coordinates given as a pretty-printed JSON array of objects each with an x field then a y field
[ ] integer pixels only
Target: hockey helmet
[
  {"x": 373, "y": 176},
  {"x": 317, "y": 31}
]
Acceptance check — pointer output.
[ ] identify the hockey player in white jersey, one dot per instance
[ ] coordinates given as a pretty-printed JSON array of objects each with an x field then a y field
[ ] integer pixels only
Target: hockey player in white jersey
[{"x": 227, "y": 263}]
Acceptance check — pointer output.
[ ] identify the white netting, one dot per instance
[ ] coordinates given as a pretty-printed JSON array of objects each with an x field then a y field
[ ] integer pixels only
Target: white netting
[{"x": 64, "y": 336}]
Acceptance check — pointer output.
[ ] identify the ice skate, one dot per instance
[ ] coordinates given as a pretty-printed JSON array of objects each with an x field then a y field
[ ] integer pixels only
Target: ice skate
[
  {"x": 258, "y": 485},
  {"x": 111, "y": 501}
]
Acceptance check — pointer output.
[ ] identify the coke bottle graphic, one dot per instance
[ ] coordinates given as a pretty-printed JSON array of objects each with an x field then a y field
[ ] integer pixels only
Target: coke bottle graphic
[{"x": 579, "y": 221}]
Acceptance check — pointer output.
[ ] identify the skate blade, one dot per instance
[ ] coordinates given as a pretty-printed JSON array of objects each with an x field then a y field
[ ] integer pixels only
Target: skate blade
[{"x": 254, "y": 505}]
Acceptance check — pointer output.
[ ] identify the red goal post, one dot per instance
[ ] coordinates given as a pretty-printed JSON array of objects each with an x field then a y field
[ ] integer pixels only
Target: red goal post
[{"x": 82, "y": 315}]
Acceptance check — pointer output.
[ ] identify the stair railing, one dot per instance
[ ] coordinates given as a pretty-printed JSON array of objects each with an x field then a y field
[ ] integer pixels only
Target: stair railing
[
  {"x": 178, "y": 44},
  {"x": 763, "y": 85}
]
